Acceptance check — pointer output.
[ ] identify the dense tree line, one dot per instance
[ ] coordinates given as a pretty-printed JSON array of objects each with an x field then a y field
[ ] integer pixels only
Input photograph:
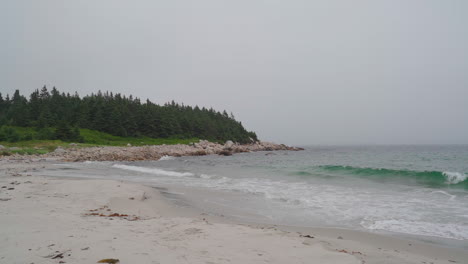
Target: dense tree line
[{"x": 118, "y": 115}]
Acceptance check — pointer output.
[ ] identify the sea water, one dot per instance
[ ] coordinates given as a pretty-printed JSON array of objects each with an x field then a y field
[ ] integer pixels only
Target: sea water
[{"x": 414, "y": 190}]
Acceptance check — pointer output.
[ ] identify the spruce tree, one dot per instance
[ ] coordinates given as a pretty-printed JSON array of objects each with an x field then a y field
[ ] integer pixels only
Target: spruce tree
[{"x": 118, "y": 115}]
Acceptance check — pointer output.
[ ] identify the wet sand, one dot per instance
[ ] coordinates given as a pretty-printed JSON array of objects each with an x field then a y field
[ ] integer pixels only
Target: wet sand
[{"x": 55, "y": 220}]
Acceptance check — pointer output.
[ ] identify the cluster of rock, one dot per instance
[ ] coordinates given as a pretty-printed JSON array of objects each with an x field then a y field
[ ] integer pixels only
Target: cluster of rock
[
  {"x": 3, "y": 148},
  {"x": 203, "y": 147}
]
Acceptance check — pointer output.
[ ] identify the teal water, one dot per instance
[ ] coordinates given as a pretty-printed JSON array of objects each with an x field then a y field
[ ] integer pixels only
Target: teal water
[{"x": 433, "y": 179}]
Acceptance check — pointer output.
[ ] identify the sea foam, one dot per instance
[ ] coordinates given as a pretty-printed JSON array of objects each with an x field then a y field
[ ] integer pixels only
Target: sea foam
[
  {"x": 153, "y": 171},
  {"x": 166, "y": 157},
  {"x": 454, "y": 177}
]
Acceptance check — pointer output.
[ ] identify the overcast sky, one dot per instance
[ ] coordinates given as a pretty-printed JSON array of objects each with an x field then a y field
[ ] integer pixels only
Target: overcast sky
[{"x": 296, "y": 72}]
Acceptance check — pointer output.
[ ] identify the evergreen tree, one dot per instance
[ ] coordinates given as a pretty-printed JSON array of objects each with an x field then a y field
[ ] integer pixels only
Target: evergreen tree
[
  {"x": 8, "y": 134},
  {"x": 18, "y": 112},
  {"x": 118, "y": 115}
]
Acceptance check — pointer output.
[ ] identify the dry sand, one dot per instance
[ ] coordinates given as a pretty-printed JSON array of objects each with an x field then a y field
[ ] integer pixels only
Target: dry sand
[{"x": 51, "y": 220}]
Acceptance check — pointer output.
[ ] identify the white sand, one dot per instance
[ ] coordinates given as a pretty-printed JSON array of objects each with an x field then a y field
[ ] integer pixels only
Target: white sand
[{"x": 44, "y": 217}]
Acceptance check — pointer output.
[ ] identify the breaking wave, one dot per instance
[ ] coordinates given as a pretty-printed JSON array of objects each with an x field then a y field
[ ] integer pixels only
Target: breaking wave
[
  {"x": 428, "y": 178},
  {"x": 153, "y": 171}
]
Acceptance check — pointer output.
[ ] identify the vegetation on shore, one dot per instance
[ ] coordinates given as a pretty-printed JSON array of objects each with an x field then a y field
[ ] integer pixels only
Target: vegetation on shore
[
  {"x": 29, "y": 141},
  {"x": 50, "y": 119},
  {"x": 55, "y": 115}
]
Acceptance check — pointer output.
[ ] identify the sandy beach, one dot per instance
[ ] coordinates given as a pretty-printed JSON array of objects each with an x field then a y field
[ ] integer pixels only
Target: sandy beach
[{"x": 55, "y": 220}]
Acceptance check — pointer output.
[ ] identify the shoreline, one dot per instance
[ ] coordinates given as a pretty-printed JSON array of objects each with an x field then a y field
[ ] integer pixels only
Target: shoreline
[
  {"x": 154, "y": 152},
  {"x": 51, "y": 197},
  {"x": 218, "y": 215}
]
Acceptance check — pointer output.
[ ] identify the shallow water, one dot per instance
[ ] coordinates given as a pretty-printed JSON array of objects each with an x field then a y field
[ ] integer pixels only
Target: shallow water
[{"x": 417, "y": 190}]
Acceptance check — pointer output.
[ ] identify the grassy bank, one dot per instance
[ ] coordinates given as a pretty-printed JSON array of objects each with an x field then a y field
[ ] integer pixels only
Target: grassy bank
[{"x": 91, "y": 139}]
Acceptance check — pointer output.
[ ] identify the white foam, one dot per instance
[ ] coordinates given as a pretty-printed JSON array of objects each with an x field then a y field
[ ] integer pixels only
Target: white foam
[
  {"x": 153, "y": 171},
  {"x": 458, "y": 232},
  {"x": 439, "y": 213},
  {"x": 91, "y": 162},
  {"x": 452, "y": 197},
  {"x": 334, "y": 202},
  {"x": 166, "y": 157},
  {"x": 206, "y": 176},
  {"x": 454, "y": 177}
]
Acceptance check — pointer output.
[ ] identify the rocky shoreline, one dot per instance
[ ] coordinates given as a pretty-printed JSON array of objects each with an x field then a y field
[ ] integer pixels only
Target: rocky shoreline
[{"x": 155, "y": 152}]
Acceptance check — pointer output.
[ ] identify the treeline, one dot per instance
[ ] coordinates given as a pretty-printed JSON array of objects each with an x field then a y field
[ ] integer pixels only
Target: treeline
[{"x": 118, "y": 115}]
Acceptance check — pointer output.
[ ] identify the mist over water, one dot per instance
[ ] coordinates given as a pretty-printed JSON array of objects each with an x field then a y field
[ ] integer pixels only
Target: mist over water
[{"x": 416, "y": 190}]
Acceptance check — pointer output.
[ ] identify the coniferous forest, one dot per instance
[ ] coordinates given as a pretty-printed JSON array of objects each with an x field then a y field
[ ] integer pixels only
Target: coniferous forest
[{"x": 58, "y": 115}]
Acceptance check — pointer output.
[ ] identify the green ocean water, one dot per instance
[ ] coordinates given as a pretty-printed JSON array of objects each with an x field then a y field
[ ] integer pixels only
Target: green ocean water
[{"x": 434, "y": 179}]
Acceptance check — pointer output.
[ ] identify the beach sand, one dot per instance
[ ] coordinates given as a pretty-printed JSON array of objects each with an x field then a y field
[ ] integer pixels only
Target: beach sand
[{"x": 55, "y": 220}]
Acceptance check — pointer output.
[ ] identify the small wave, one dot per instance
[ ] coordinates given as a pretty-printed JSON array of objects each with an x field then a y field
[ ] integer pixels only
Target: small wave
[
  {"x": 427, "y": 178},
  {"x": 451, "y": 197},
  {"x": 166, "y": 157},
  {"x": 302, "y": 173},
  {"x": 153, "y": 171}
]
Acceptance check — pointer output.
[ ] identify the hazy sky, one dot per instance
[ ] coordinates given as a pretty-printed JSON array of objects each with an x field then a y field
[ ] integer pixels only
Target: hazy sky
[{"x": 296, "y": 72}]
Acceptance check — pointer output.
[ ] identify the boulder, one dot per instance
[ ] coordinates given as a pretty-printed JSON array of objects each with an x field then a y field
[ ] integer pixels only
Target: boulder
[
  {"x": 2, "y": 147},
  {"x": 228, "y": 144},
  {"x": 225, "y": 153},
  {"x": 59, "y": 150}
]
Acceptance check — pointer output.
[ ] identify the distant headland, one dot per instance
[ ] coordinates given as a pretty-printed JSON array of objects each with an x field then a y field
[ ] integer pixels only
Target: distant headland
[{"x": 51, "y": 120}]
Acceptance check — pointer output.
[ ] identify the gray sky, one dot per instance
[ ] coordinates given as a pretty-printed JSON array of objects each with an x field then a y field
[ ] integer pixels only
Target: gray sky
[{"x": 296, "y": 72}]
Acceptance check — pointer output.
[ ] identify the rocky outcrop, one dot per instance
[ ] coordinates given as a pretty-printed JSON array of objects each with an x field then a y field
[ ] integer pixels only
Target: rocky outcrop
[{"x": 203, "y": 147}]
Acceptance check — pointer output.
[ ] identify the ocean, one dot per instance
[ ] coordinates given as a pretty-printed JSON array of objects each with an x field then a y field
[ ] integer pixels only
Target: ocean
[{"x": 411, "y": 190}]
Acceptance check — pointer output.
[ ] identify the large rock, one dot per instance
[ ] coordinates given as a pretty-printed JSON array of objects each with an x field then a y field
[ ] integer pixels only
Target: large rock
[
  {"x": 59, "y": 150},
  {"x": 2, "y": 147},
  {"x": 225, "y": 153},
  {"x": 228, "y": 144}
]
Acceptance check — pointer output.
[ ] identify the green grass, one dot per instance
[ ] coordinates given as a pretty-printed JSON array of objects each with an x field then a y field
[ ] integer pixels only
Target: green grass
[
  {"x": 92, "y": 138},
  {"x": 104, "y": 139},
  {"x": 29, "y": 151}
]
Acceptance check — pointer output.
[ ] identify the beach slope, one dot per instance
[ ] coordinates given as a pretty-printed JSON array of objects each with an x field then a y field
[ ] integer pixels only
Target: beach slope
[
  {"x": 45, "y": 220},
  {"x": 52, "y": 220}
]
